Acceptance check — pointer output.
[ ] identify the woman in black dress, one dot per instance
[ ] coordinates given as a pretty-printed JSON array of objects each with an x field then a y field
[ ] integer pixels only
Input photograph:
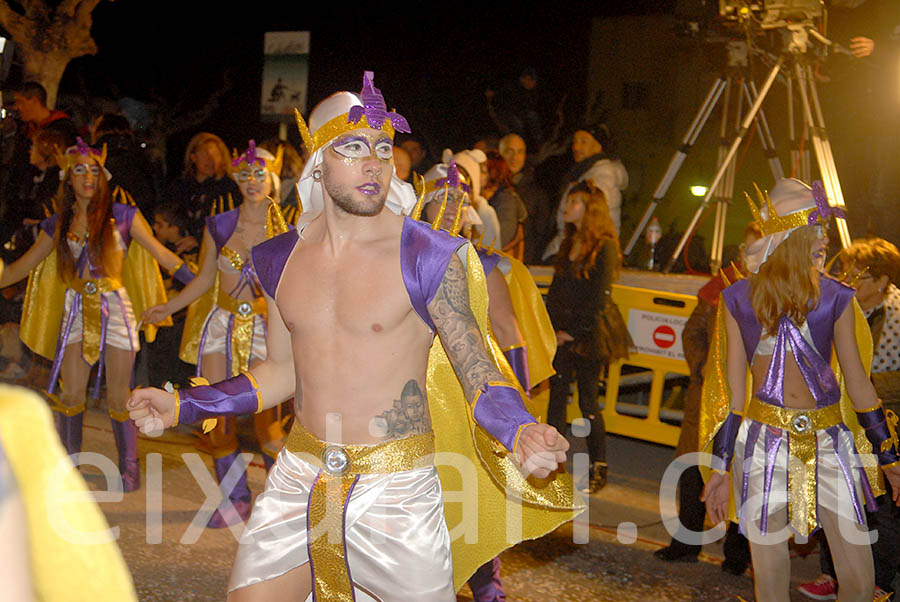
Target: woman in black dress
[{"x": 590, "y": 332}]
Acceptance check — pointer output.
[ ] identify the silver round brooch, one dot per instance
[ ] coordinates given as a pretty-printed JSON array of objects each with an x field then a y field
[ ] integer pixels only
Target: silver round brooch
[
  {"x": 90, "y": 288},
  {"x": 335, "y": 460},
  {"x": 244, "y": 309},
  {"x": 801, "y": 422}
]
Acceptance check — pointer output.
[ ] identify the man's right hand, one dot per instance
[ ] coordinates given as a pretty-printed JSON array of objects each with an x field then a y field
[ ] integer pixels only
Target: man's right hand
[
  {"x": 155, "y": 314},
  {"x": 152, "y": 410},
  {"x": 186, "y": 244}
]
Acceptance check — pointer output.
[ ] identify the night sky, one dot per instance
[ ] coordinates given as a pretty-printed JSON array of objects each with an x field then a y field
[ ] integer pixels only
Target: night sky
[{"x": 432, "y": 66}]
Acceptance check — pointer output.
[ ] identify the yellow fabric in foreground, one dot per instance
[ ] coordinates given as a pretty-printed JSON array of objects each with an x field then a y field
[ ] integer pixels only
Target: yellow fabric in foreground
[
  {"x": 534, "y": 321},
  {"x": 483, "y": 523},
  {"x": 58, "y": 503},
  {"x": 716, "y": 398},
  {"x": 45, "y": 296}
]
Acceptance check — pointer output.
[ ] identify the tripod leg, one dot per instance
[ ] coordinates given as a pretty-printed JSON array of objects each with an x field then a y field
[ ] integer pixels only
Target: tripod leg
[
  {"x": 712, "y": 97},
  {"x": 745, "y": 125},
  {"x": 765, "y": 134},
  {"x": 822, "y": 149}
]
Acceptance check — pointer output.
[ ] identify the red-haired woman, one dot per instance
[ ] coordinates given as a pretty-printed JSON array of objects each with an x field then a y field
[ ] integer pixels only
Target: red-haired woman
[
  {"x": 590, "y": 332},
  {"x": 793, "y": 458},
  {"x": 86, "y": 242},
  {"x": 498, "y": 189}
]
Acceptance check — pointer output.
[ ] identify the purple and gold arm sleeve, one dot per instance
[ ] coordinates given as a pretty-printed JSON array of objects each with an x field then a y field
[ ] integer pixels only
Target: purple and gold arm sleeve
[
  {"x": 238, "y": 395},
  {"x": 723, "y": 442},
  {"x": 499, "y": 410},
  {"x": 881, "y": 433},
  {"x": 518, "y": 361},
  {"x": 183, "y": 274}
]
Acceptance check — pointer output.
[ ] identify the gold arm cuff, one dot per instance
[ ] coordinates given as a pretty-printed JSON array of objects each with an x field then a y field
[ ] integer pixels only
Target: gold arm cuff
[
  {"x": 177, "y": 407},
  {"x": 511, "y": 347},
  {"x": 177, "y": 267},
  {"x": 874, "y": 407},
  {"x": 259, "y": 399},
  {"x": 518, "y": 433},
  {"x": 891, "y": 465}
]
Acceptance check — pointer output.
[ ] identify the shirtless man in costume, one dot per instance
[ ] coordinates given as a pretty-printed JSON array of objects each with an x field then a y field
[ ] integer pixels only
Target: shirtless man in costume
[{"x": 354, "y": 304}]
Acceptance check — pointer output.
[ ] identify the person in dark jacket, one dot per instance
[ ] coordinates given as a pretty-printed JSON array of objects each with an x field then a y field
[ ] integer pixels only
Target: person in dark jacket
[
  {"x": 590, "y": 332},
  {"x": 128, "y": 161}
]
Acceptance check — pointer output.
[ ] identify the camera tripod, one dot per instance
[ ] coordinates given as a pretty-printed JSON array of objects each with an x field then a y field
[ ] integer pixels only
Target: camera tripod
[{"x": 798, "y": 74}]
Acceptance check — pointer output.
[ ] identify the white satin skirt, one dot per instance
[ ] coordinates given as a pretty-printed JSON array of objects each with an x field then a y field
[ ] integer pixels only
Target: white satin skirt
[
  {"x": 396, "y": 539},
  {"x": 120, "y": 325},
  {"x": 215, "y": 335},
  {"x": 839, "y": 475}
]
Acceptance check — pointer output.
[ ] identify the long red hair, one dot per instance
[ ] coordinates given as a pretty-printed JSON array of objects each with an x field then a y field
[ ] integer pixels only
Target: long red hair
[
  {"x": 99, "y": 225},
  {"x": 787, "y": 283},
  {"x": 597, "y": 227}
]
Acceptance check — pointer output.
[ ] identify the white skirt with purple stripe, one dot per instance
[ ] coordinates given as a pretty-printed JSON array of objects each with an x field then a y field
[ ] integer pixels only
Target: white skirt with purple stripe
[{"x": 761, "y": 454}]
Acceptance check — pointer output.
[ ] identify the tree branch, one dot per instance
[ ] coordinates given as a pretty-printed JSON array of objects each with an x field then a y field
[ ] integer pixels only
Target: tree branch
[{"x": 13, "y": 22}]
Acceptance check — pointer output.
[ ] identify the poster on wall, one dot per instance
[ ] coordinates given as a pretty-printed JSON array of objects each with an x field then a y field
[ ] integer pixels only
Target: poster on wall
[{"x": 285, "y": 71}]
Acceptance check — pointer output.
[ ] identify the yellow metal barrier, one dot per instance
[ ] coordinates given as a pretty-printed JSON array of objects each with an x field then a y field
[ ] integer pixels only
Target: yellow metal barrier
[{"x": 655, "y": 320}]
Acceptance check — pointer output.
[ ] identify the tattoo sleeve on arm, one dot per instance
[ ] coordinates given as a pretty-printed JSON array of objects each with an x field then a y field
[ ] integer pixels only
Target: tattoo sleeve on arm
[{"x": 459, "y": 332}]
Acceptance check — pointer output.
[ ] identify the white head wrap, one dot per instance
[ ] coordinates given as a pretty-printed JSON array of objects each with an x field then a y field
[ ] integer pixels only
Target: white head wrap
[
  {"x": 401, "y": 197},
  {"x": 788, "y": 196}
]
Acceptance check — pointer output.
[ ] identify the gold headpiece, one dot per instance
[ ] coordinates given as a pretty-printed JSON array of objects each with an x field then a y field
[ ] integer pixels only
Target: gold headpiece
[
  {"x": 253, "y": 156},
  {"x": 776, "y": 223},
  {"x": 73, "y": 155},
  {"x": 372, "y": 113}
]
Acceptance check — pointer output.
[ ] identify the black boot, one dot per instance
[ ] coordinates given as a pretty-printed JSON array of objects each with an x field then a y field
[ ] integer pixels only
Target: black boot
[{"x": 597, "y": 480}]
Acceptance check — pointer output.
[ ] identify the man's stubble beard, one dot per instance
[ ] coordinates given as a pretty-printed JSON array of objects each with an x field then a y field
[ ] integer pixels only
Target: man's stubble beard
[{"x": 344, "y": 200}]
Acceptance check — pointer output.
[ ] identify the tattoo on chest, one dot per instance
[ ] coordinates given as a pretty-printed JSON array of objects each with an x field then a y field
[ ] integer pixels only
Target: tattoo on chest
[{"x": 409, "y": 416}]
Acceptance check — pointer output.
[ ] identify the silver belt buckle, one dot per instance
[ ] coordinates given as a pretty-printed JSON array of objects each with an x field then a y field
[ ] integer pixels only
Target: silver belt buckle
[
  {"x": 801, "y": 422},
  {"x": 244, "y": 309},
  {"x": 90, "y": 288},
  {"x": 335, "y": 460}
]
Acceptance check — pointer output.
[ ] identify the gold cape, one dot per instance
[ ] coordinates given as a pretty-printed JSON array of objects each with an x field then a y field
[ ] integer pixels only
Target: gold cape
[
  {"x": 494, "y": 524},
  {"x": 716, "y": 398},
  {"x": 45, "y": 296},
  {"x": 59, "y": 507},
  {"x": 533, "y": 319}
]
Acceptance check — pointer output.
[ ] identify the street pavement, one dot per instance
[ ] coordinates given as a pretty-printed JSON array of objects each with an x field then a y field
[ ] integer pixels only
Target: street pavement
[{"x": 172, "y": 558}]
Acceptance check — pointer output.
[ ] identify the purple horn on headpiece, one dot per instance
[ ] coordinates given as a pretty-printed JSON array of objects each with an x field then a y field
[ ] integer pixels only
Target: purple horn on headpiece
[
  {"x": 452, "y": 180},
  {"x": 823, "y": 211},
  {"x": 249, "y": 156},
  {"x": 82, "y": 148},
  {"x": 374, "y": 108}
]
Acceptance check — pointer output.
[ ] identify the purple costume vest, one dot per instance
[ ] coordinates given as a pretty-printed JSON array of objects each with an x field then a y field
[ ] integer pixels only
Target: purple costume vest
[
  {"x": 424, "y": 256},
  {"x": 815, "y": 361}
]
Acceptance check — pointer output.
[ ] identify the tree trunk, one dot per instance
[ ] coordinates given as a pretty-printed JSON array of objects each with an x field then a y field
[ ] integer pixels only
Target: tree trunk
[{"x": 45, "y": 68}]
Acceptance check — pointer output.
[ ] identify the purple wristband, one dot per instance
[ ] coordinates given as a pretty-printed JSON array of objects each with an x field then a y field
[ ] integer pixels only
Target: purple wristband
[
  {"x": 238, "y": 395},
  {"x": 518, "y": 361},
  {"x": 499, "y": 410},
  {"x": 183, "y": 274},
  {"x": 723, "y": 443},
  {"x": 880, "y": 434}
]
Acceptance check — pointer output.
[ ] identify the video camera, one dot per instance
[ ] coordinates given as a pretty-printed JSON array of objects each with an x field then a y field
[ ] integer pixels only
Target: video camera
[{"x": 771, "y": 14}]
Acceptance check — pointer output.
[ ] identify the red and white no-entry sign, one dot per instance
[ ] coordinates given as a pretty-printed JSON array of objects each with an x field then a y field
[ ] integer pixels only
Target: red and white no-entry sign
[{"x": 664, "y": 336}]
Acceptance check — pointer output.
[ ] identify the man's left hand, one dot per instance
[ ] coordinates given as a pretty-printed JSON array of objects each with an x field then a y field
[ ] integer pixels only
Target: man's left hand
[{"x": 541, "y": 449}]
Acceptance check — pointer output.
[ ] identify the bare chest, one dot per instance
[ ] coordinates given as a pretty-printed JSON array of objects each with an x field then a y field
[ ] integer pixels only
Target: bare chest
[{"x": 357, "y": 294}]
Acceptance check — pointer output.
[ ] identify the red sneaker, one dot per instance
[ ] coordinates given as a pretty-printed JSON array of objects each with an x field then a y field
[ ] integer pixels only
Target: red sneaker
[{"x": 823, "y": 588}]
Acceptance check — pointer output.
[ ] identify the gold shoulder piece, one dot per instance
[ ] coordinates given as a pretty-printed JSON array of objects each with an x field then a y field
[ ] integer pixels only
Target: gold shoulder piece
[
  {"x": 279, "y": 159},
  {"x": 436, "y": 224},
  {"x": 454, "y": 229}
]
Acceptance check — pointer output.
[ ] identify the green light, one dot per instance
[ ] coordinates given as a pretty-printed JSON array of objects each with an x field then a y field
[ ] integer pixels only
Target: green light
[{"x": 699, "y": 190}]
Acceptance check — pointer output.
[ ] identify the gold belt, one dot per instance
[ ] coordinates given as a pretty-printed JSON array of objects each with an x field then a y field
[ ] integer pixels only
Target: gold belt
[
  {"x": 801, "y": 426},
  {"x": 91, "y": 290},
  {"x": 242, "y": 333},
  {"x": 340, "y": 467}
]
